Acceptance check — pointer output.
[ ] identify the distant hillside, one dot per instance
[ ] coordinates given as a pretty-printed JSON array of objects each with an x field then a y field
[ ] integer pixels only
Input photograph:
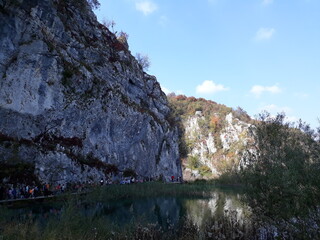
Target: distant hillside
[{"x": 213, "y": 136}]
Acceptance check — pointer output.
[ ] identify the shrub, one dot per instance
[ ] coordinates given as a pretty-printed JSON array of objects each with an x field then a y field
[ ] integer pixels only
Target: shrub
[
  {"x": 123, "y": 38},
  {"x": 109, "y": 24},
  {"x": 205, "y": 170},
  {"x": 282, "y": 173},
  {"x": 193, "y": 162}
]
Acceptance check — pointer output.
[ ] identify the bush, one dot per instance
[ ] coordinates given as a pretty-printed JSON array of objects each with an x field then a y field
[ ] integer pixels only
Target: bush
[
  {"x": 282, "y": 172},
  {"x": 123, "y": 38},
  {"x": 193, "y": 162},
  {"x": 205, "y": 170}
]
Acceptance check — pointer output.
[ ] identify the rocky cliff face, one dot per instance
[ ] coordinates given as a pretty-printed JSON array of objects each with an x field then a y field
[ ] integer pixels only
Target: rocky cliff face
[
  {"x": 74, "y": 103},
  {"x": 222, "y": 150},
  {"x": 215, "y": 138}
]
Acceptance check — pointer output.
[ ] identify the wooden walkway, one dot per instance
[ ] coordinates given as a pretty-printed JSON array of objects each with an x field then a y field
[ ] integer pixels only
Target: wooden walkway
[
  {"x": 25, "y": 199},
  {"x": 39, "y": 198},
  {"x": 54, "y": 196}
]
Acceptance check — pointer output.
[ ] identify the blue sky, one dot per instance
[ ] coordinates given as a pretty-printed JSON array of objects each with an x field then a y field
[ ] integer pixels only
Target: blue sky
[{"x": 256, "y": 54}]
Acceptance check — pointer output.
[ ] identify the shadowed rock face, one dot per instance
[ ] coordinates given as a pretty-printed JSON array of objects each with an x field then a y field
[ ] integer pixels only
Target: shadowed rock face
[{"x": 73, "y": 99}]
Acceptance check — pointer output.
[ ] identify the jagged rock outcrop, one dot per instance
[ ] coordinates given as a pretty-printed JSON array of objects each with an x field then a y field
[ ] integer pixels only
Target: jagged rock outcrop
[
  {"x": 214, "y": 138},
  {"x": 219, "y": 150},
  {"x": 74, "y": 102}
]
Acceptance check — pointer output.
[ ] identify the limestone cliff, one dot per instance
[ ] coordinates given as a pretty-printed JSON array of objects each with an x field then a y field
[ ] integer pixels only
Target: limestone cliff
[
  {"x": 222, "y": 151},
  {"x": 75, "y": 105},
  {"x": 215, "y": 137}
]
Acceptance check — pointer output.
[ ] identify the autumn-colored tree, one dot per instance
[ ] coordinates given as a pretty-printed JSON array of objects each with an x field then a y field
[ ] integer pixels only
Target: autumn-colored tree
[
  {"x": 181, "y": 97},
  {"x": 214, "y": 122}
]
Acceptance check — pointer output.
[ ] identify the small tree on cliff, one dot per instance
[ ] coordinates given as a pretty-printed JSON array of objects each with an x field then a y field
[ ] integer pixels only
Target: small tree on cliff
[
  {"x": 143, "y": 60},
  {"x": 123, "y": 38},
  {"x": 94, "y": 4},
  {"x": 109, "y": 24}
]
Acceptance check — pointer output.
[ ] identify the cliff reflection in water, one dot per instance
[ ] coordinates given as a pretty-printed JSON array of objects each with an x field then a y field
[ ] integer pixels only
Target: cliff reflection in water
[
  {"x": 220, "y": 205},
  {"x": 167, "y": 211}
]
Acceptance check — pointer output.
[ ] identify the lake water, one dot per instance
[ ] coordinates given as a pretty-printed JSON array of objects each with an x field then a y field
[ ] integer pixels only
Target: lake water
[{"x": 163, "y": 211}]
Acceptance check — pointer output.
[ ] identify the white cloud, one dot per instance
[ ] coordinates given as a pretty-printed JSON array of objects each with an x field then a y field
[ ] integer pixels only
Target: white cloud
[
  {"x": 273, "y": 109},
  {"x": 291, "y": 119},
  {"x": 209, "y": 87},
  {"x": 257, "y": 90},
  {"x": 146, "y": 7},
  {"x": 264, "y": 34},
  {"x": 267, "y": 2},
  {"x": 167, "y": 91}
]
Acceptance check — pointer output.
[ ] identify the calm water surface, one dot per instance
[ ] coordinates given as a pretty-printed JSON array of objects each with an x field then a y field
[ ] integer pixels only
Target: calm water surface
[{"x": 164, "y": 211}]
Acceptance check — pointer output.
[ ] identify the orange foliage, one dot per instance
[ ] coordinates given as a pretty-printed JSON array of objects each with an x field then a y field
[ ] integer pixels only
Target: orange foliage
[
  {"x": 181, "y": 97},
  {"x": 214, "y": 121},
  {"x": 192, "y": 99}
]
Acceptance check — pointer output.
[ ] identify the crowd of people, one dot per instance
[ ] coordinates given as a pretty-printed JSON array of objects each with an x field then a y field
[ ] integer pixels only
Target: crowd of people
[{"x": 23, "y": 191}]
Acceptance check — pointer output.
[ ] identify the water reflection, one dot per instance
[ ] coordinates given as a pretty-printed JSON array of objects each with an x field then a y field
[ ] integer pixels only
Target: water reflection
[
  {"x": 164, "y": 211},
  {"x": 167, "y": 211},
  {"x": 220, "y": 205}
]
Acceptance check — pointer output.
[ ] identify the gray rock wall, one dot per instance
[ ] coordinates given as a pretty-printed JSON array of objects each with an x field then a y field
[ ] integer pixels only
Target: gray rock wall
[{"x": 73, "y": 100}]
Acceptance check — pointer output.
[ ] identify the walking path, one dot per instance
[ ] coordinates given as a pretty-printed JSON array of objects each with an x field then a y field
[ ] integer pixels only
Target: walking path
[{"x": 40, "y": 197}]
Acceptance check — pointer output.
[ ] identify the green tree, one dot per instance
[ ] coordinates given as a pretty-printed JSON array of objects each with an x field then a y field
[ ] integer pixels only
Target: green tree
[{"x": 282, "y": 167}]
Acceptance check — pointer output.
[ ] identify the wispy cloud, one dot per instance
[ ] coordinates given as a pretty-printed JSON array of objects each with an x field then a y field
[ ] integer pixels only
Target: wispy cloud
[
  {"x": 209, "y": 87},
  {"x": 163, "y": 20},
  {"x": 275, "y": 109},
  {"x": 264, "y": 34},
  {"x": 257, "y": 90},
  {"x": 146, "y": 7},
  {"x": 167, "y": 91},
  {"x": 267, "y": 2}
]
